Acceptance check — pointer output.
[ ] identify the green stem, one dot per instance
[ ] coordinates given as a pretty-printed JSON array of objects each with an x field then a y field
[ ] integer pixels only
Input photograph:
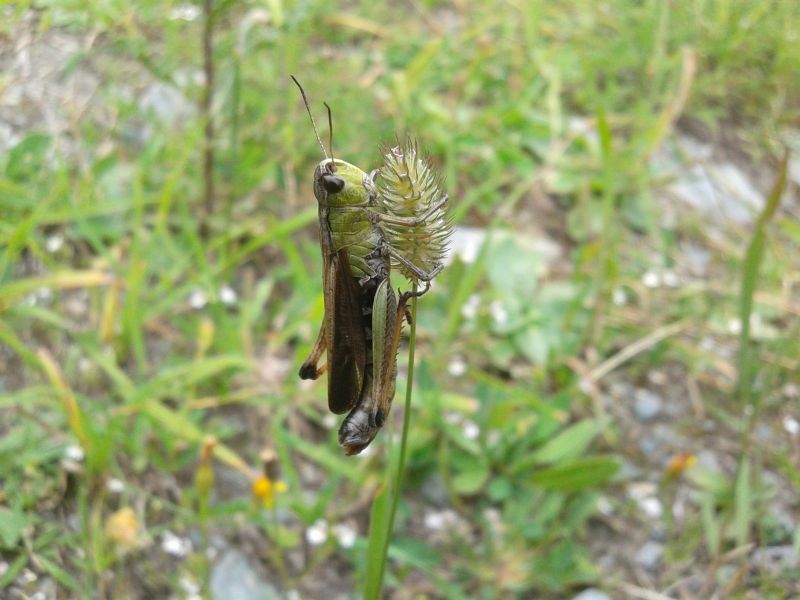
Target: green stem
[{"x": 401, "y": 461}]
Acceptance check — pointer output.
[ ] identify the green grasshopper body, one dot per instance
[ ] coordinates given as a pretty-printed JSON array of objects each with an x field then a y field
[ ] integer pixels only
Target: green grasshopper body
[
  {"x": 361, "y": 230},
  {"x": 361, "y": 327}
]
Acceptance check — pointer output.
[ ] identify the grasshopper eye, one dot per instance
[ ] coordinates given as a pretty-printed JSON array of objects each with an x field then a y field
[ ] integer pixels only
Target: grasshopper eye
[{"x": 332, "y": 184}]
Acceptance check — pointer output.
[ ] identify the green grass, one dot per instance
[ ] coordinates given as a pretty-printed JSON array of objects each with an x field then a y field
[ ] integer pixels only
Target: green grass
[{"x": 105, "y": 244}]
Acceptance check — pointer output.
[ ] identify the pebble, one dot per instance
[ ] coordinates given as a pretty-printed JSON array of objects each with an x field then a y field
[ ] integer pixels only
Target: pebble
[
  {"x": 777, "y": 558},
  {"x": 650, "y": 554},
  {"x": 647, "y": 405},
  {"x": 592, "y": 594},
  {"x": 232, "y": 578}
]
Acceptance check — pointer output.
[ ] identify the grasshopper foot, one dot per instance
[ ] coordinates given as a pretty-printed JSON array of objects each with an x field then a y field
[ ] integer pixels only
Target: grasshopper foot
[{"x": 310, "y": 371}]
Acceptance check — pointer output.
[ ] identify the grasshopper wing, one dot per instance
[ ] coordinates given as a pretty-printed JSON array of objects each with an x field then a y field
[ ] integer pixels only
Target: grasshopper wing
[{"x": 347, "y": 346}]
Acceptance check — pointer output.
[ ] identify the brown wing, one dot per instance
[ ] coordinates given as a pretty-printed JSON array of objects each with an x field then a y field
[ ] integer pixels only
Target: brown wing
[{"x": 347, "y": 345}]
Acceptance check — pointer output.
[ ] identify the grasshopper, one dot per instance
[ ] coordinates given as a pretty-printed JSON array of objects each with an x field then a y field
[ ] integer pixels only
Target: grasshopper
[{"x": 363, "y": 316}]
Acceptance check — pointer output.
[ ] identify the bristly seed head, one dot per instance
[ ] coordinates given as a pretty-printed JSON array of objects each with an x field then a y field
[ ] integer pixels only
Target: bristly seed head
[{"x": 409, "y": 188}]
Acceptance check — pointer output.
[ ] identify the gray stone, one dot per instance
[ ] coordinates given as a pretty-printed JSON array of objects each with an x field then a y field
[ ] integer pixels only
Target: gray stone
[
  {"x": 776, "y": 558},
  {"x": 650, "y": 554},
  {"x": 434, "y": 490},
  {"x": 592, "y": 594},
  {"x": 720, "y": 190},
  {"x": 232, "y": 578},
  {"x": 647, "y": 405},
  {"x": 708, "y": 460},
  {"x": 166, "y": 103}
]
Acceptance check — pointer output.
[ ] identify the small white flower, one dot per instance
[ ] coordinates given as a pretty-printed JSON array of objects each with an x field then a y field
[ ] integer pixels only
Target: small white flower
[
  {"x": 651, "y": 506},
  {"x": 227, "y": 295},
  {"x": 457, "y": 366},
  {"x": 498, "y": 312},
  {"x": 466, "y": 243},
  {"x": 184, "y": 12},
  {"x": 471, "y": 430},
  {"x": 318, "y": 532},
  {"x": 435, "y": 520},
  {"x": 644, "y": 494},
  {"x": 441, "y": 520},
  {"x": 74, "y": 453},
  {"x": 734, "y": 326},
  {"x": 54, "y": 243},
  {"x": 345, "y": 535},
  {"x": 619, "y": 297},
  {"x": 115, "y": 486},
  {"x": 651, "y": 279},
  {"x": 470, "y": 309},
  {"x": 174, "y": 545},
  {"x": 198, "y": 299},
  {"x": 791, "y": 425},
  {"x": 329, "y": 420},
  {"x": 28, "y": 576}
]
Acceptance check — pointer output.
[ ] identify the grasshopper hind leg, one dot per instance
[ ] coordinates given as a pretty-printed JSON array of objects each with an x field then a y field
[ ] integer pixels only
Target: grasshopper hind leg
[{"x": 309, "y": 368}]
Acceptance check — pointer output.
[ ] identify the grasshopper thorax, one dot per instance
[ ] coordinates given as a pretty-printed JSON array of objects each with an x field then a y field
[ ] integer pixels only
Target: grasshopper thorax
[{"x": 339, "y": 183}]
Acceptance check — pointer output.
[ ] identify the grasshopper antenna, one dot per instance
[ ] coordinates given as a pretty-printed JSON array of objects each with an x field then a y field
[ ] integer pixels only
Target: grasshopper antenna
[
  {"x": 308, "y": 110},
  {"x": 330, "y": 130}
]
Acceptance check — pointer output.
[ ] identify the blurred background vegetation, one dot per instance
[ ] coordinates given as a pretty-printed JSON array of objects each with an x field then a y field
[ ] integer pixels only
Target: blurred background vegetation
[{"x": 607, "y": 380}]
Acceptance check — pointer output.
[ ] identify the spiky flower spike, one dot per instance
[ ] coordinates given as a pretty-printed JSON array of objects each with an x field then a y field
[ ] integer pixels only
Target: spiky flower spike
[{"x": 417, "y": 228}]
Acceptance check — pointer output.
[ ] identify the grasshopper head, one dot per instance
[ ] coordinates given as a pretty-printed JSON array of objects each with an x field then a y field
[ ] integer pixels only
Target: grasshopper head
[
  {"x": 359, "y": 429},
  {"x": 338, "y": 183}
]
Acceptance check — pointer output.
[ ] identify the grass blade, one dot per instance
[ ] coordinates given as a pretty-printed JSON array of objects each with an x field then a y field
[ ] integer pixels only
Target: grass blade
[{"x": 750, "y": 269}]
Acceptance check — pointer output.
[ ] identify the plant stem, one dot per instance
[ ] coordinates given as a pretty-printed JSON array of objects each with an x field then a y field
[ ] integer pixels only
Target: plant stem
[
  {"x": 206, "y": 107},
  {"x": 401, "y": 461}
]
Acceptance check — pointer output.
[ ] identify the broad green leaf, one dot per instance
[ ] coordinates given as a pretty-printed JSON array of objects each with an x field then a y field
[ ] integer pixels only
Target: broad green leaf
[
  {"x": 415, "y": 552},
  {"x": 567, "y": 445},
  {"x": 27, "y": 158},
  {"x": 332, "y": 463},
  {"x": 472, "y": 480},
  {"x": 577, "y": 475},
  {"x": 12, "y": 524}
]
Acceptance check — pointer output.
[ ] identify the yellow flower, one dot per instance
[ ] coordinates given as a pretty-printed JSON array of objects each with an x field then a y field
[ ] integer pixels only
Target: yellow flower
[
  {"x": 680, "y": 463},
  {"x": 123, "y": 529},
  {"x": 264, "y": 490}
]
